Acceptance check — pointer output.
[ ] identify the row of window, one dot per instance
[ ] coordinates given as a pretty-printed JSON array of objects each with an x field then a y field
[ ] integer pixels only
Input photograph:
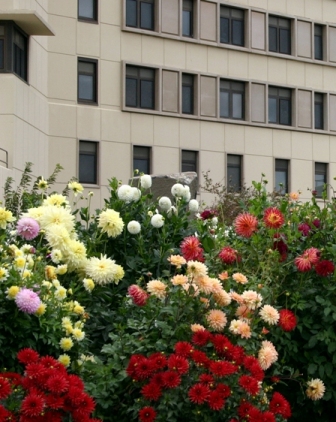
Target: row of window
[
  {"x": 233, "y": 24},
  {"x": 142, "y": 161}
]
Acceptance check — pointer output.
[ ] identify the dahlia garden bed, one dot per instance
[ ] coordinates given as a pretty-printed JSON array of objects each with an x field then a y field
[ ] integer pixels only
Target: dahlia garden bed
[{"x": 160, "y": 310}]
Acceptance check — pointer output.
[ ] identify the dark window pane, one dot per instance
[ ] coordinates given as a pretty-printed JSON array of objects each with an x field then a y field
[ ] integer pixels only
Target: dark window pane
[
  {"x": 187, "y": 99},
  {"x": 320, "y": 177},
  {"x": 285, "y": 112},
  {"x": 131, "y": 92},
  {"x": 189, "y": 161},
  {"x": 234, "y": 172},
  {"x": 318, "y": 115},
  {"x": 131, "y": 13},
  {"x": 87, "y": 169},
  {"x": 318, "y": 48},
  {"x": 224, "y": 104},
  {"x": 187, "y": 23},
  {"x": 281, "y": 181},
  {"x": 238, "y": 32},
  {"x": 146, "y": 94},
  {"x": 86, "y": 9},
  {"x": 224, "y": 30},
  {"x": 272, "y": 110},
  {"x": 285, "y": 41},
  {"x": 237, "y": 106},
  {"x": 141, "y": 165},
  {"x": 273, "y": 39},
  {"x": 86, "y": 87},
  {"x": 146, "y": 16},
  {"x": 141, "y": 159},
  {"x": 1, "y": 54}
]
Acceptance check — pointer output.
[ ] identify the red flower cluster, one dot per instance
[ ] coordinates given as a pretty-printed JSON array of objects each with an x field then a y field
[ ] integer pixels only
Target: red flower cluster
[
  {"x": 228, "y": 255},
  {"x": 273, "y": 218},
  {"x": 287, "y": 320},
  {"x": 324, "y": 268},
  {"x": 158, "y": 373},
  {"x": 191, "y": 249},
  {"x": 245, "y": 224},
  {"x": 138, "y": 295},
  {"x": 51, "y": 393}
]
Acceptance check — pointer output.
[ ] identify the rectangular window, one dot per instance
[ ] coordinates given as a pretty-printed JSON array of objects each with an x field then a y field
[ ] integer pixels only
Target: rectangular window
[
  {"x": 140, "y": 14},
  {"x": 232, "y": 99},
  {"x": 189, "y": 161},
  {"x": 20, "y": 49},
  {"x": 318, "y": 111},
  {"x": 318, "y": 42},
  {"x": 281, "y": 176},
  {"x": 231, "y": 26},
  {"x": 141, "y": 159},
  {"x": 188, "y": 18},
  {"x": 321, "y": 179},
  {"x": 88, "y": 162},
  {"x": 140, "y": 87},
  {"x": 187, "y": 93},
  {"x": 279, "y": 35},
  {"x": 280, "y": 106},
  {"x": 234, "y": 173},
  {"x": 88, "y": 10},
  {"x": 2, "y": 46},
  {"x": 87, "y": 81}
]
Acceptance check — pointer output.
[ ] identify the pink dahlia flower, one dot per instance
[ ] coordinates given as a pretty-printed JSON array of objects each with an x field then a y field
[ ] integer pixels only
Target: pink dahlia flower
[
  {"x": 28, "y": 228},
  {"x": 138, "y": 295},
  {"x": 27, "y": 301}
]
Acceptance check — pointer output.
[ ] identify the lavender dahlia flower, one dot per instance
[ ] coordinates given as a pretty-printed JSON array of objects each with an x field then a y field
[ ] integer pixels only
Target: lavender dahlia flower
[
  {"x": 28, "y": 228},
  {"x": 27, "y": 301}
]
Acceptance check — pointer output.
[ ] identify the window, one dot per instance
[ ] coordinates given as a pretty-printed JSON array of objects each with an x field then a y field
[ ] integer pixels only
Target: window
[
  {"x": 234, "y": 172},
  {"x": 87, "y": 81},
  {"x": 88, "y": 162},
  {"x": 281, "y": 176},
  {"x": 320, "y": 178},
  {"x": 318, "y": 42},
  {"x": 279, "y": 106},
  {"x": 189, "y": 161},
  {"x": 13, "y": 50},
  {"x": 318, "y": 110},
  {"x": 232, "y": 96},
  {"x": 140, "y": 87},
  {"x": 88, "y": 10},
  {"x": 140, "y": 14},
  {"x": 279, "y": 33},
  {"x": 187, "y": 93},
  {"x": 231, "y": 26},
  {"x": 188, "y": 18},
  {"x": 141, "y": 159}
]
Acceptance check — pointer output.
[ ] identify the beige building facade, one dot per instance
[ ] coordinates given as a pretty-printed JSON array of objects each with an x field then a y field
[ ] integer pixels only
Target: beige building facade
[{"x": 104, "y": 87}]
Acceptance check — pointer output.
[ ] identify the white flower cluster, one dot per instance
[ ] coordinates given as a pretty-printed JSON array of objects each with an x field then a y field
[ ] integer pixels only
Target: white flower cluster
[{"x": 128, "y": 193}]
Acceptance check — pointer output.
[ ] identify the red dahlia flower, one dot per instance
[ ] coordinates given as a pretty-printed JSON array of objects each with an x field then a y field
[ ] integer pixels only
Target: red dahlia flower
[
  {"x": 32, "y": 405},
  {"x": 215, "y": 400},
  {"x": 201, "y": 337},
  {"x": 224, "y": 390},
  {"x": 199, "y": 393},
  {"x": 306, "y": 261},
  {"x": 5, "y": 388},
  {"x": 191, "y": 249},
  {"x": 171, "y": 379},
  {"x": 138, "y": 295},
  {"x": 268, "y": 417},
  {"x": 178, "y": 363},
  {"x": 57, "y": 384},
  {"x": 245, "y": 224},
  {"x": 151, "y": 391},
  {"x": 287, "y": 320},
  {"x": 159, "y": 360},
  {"x": 184, "y": 348},
  {"x": 280, "y": 406},
  {"x": 147, "y": 414},
  {"x": 273, "y": 218},
  {"x": 223, "y": 368},
  {"x": 228, "y": 255},
  {"x": 26, "y": 356},
  {"x": 5, "y": 414},
  {"x": 206, "y": 379},
  {"x": 280, "y": 245},
  {"x": 324, "y": 268},
  {"x": 249, "y": 384},
  {"x": 304, "y": 228},
  {"x": 207, "y": 214}
]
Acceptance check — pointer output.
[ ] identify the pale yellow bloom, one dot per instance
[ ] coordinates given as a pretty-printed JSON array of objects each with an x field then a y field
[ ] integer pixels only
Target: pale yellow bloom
[
  {"x": 65, "y": 360},
  {"x": 78, "y": 334},
  {"x": 12, "y": 292},
  {"x": 3, "y": 274},
  {"x": 55, "y": 200},
  {"x": 179, "y": 279},
  {"x": 88, "y": 284},
  {"x": 316, "y": 389},
  {"x": 61, "y": 269},
  {"x": 5, "y": 217},
  {"x": 20, "y": 262},
  {"x": 177, "y": 260},
  {"x": 41, "y": 310},
  {"x": 157, "y": 288},
  {"x": 78, "y": 309},
  {"x": 66, "y": 343},
  {"x": 196, "y": 269},
  {"x": 75, "y": 187},
  {"x": 269, "y": 314},
  {"x": 111, "y": 223},
  {"x": 50, "y": 272},
  {"x": 60, "y": 293}
]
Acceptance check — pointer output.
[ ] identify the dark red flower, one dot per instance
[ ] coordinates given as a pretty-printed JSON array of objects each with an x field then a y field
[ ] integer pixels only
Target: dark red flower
[
  {"x": 304, "y": 228},
  {"x": 138, "y": 295},
  {"x": 5, "y": 388},
  {"x": 151, "y": 391},
  {"x": 207, "y": 214},
  {"x": 244, "y": 409},
  {"x": 221, "y": 343},
  {"x": 200, "y": 358},
  {"x": 245, "y": 224},
  {"x": 224, "y": 390},
  {"x": 57, "y": 383},
  {"x": 158, "y": 379},
  {"x": 54, "y": 401},
  {"x": 32, "y": 405},
  {"x": 28, "y": 355},
  {"x": 184, "y": 348},
  {"x": 178, "y": 363},
  {"x": 49, "y": 362},
  {"x": 144, "y": 368},
  {"x": 13, "y": 378},
  {"x": 206, "y": 379},
  {"x": 86, "y": 404},
  {"x": 35, "y": 370},
  {"x": 280, "y": 406},
  {"x": 273, "y": 218},
  {"x": 171, "y": 379},
  {"x": 201, "y": 337},
  {"x": 287, "y": 320},
  {"x": 317, "y": 223},
  {"x": 249, "y": 384},
  {"x": 4, "y": 414},
  {"x": 216, "y": 400},
  {"x": 75, "y": 381},
  {"x": 280, "y": 245},
  {"x": 324, "y": 268},
  {"x": 199, "y": 393},
  {"x": 236, "y": 354},
  {"x": 191, "y": 249},
  {"x": 159, "y": 360},
  {"x": 267, "y": 417},
  {"x": 255, "y": 415},
  {"x": 223, "y": 368},
  {"x": 228, "y": 255},
  {"x": 147, "y": 414}
]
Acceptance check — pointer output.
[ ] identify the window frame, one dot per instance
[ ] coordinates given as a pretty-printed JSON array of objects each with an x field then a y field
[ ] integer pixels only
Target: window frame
[
  {"x": 86, "y": 19},
  {"x": 233, "y": 188},
  {"x": 148, "y": 158},
  {"x": 231, "y": 21},
  {"x": 319, "y": 173},
  {"x": 138, "y": 14},
  {"x": 231, "y": 92},
  {"x": 319, "y": 103},
  {"x": 86, "y": 153},
  {"x": 280, "y": 99},
  {"x": 279, "y": 167},
  {"x": 279, "y": 28},
  {"x": 185, "y": 161},
  {"x": 94, "y": 75},
  {"x": 318, "y": 39},
  {"x": 139, "y": 79}
]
